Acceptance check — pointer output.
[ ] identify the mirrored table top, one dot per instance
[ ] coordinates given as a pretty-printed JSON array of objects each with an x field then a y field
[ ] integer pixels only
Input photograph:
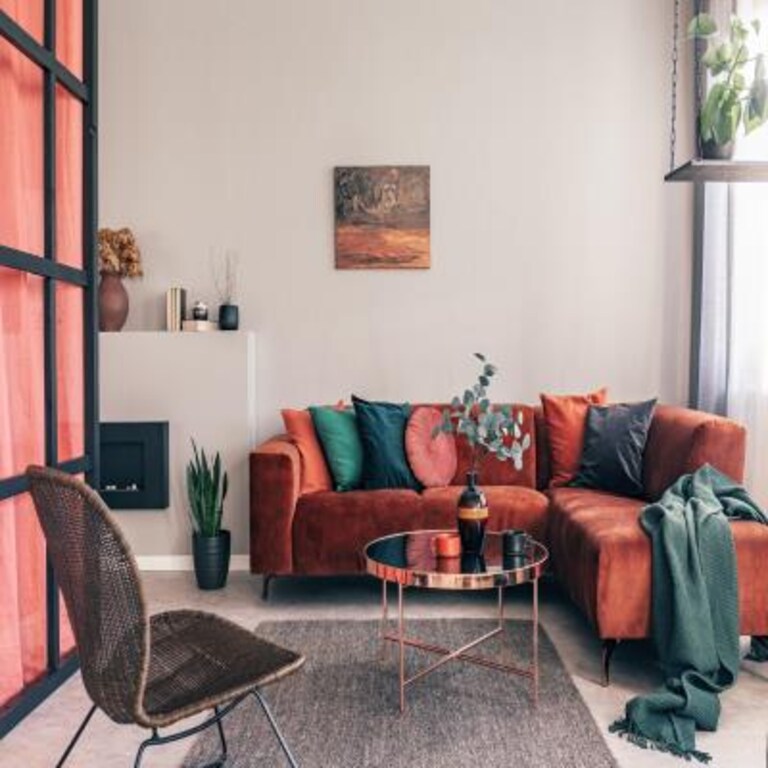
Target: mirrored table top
[{"x": 410, "y": 559}]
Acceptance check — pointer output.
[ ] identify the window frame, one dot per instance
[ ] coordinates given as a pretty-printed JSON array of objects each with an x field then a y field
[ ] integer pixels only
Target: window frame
[{"x": 59, "y": 668}]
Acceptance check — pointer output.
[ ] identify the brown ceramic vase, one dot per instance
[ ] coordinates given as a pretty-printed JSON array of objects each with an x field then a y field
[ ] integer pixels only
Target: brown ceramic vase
[{"x": 113, "y": 303}]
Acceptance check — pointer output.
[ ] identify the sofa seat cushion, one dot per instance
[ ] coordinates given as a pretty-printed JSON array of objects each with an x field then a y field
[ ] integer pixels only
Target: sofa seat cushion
[
  {"x": 330, "y": 529},
  {"x": 602, "y": 557},
  {"x": 509, "y": 506}
]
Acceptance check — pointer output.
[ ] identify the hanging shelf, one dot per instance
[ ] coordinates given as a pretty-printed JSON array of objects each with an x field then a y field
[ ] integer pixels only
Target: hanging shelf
[
  {"x": 706, "y": 31},
  {"x": 725, "y": 171}
]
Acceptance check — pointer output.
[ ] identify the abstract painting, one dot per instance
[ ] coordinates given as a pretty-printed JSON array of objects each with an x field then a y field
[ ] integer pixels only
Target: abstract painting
[{"x": 382, "y": 217}]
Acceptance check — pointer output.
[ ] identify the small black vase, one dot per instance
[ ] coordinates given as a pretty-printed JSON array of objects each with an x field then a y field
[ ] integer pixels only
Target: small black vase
[
  {"x": 211, "y": 556},
  {"x": 472, "y": 517},
  {"x": 229, "y": 317}
]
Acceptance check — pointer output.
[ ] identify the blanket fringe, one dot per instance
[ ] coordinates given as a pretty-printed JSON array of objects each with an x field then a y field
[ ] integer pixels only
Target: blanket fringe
[{"x": 628, "y": 730}]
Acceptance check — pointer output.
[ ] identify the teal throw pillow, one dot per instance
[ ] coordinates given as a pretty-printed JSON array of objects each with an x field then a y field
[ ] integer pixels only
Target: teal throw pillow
[
  {"x": 337, "y": 431},
  {"x": 382, "y": 432}
]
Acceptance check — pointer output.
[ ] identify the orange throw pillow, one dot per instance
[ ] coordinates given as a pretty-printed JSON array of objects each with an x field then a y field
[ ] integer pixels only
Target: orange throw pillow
[
  {"x": 566, "y": 419},
  {"x": 314, "y": 470}
]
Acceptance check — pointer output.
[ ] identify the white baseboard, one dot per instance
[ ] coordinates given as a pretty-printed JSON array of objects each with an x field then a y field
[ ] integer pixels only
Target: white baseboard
[{"x": 184, "y": 563}]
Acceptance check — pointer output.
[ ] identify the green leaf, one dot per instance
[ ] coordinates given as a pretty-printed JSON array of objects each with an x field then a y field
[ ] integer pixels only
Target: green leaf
[
  {"x": 480, "y": 357},
  {"x": 711, "y": 110},
  {"x": 702, "y": 25},
  {"x": 757, "y": 102},
  {"x": 489, "y": 370},
  {"x": 485, "y": 381},
  {"x": 455, "y": 403},
  {"x": 469, "y": 398},
  {"x": 739, "y": 30},
  {"x": 718, "y": 58},
  {"x": 756, "y": 26}
]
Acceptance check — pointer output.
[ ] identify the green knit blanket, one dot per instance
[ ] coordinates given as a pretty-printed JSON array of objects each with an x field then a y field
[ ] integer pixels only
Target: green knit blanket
[{"x": 695, "y": 611}]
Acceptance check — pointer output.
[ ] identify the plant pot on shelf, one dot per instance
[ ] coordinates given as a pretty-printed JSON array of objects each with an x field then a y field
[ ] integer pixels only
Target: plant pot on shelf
[
  {"x": 113, "y": 302},
  {"x": 211, "y": 556},
  {"x": 229, "y": 317},
  {"x": 710, "y": 150},
  {"x": 472, "y": 517}
]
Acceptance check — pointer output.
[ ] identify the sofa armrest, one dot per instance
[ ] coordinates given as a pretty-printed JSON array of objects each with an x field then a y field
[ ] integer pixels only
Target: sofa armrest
[
  {"x": 275, "y": 476},
  {"x": 681, "y": 440}
]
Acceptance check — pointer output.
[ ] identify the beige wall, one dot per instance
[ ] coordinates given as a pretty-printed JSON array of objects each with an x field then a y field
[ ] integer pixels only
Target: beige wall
[{"x": 557, "y": 249}]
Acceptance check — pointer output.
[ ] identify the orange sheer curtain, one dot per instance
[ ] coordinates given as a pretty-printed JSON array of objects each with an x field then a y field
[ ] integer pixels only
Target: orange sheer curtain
[{"x": 22, "y": 553}]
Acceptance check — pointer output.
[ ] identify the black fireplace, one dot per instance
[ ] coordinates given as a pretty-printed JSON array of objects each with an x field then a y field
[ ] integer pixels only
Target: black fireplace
[{"x": 134, "y": 464}]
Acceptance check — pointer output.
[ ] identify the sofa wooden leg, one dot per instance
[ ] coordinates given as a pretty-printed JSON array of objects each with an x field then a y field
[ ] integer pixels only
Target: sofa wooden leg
[
  {"x": 609, "y": 646},
  {"x": 266, "y": 578}
]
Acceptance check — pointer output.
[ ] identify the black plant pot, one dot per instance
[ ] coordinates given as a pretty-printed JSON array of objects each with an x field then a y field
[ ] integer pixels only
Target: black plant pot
[
  {"x": 211, "y": 555},
  {"x": 712, "y": 151},
  {"x": 229, "y": 317},
  {"x": 472, "y": 517}
]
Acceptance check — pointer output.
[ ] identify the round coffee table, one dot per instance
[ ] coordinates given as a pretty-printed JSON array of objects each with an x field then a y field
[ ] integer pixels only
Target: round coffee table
[{"x": 409, "y": 560}]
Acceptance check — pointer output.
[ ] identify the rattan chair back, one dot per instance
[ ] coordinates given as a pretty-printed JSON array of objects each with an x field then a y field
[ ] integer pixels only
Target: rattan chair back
[{"x": 99, "y": 580}]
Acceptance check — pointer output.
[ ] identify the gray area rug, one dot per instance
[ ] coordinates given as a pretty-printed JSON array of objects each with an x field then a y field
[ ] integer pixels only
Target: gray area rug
[{"x": 341, "y": 709}]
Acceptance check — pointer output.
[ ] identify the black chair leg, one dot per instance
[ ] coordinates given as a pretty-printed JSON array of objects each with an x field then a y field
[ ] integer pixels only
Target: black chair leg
[
  {"x": 276, "y": 730},
  {"x": 75, "y": 738},
  {"x": 609, "y": 646},
  {"x": 266, "y": 578},
  {"x": 154, "y": 739},
  {"x": 221, "y": 736}
]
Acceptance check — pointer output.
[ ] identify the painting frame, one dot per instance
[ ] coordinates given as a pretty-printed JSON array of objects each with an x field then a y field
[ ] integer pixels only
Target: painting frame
[{"x": 382, "y": 217}]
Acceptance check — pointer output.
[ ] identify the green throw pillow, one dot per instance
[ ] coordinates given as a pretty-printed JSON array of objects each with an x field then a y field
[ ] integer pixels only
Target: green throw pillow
[{"x": 337, "y": 431}]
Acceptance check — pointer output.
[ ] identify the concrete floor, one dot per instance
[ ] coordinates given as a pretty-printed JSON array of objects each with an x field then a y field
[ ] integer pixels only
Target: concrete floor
[{"x": 740, "y": 741}]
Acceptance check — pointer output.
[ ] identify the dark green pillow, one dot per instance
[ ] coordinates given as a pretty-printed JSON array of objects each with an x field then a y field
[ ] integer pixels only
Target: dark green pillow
[
  {"x": 614, "y": 444},
  {"x": 337, "y": 431},
  {"x": 382, "y": 432}
]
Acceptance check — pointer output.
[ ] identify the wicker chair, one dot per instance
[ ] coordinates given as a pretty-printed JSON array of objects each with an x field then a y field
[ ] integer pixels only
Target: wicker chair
[{"x": 151, "y": 671}]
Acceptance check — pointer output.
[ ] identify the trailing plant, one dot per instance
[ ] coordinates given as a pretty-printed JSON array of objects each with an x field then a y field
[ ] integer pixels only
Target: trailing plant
[
  {"x": 206, "y": 489},
  {"x": 738, "y": 92},
  {"x": 489, "y": 429}
]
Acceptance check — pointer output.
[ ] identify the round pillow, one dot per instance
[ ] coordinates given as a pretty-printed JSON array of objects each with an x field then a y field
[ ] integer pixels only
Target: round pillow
[{"x": 432, "y": 460}]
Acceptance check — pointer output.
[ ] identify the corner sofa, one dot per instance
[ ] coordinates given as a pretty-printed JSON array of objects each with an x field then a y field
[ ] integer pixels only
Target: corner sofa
[{"x": 598, "y": 551}]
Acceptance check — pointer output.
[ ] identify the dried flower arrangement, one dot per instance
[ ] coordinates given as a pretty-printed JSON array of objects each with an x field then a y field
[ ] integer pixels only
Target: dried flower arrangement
[
  {"x": 225, "y": 268},
  {"x": 118, "y": 253}
]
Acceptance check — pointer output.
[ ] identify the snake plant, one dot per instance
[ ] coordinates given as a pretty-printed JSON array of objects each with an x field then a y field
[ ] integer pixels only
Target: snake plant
[{"x": 206, "y": 489}]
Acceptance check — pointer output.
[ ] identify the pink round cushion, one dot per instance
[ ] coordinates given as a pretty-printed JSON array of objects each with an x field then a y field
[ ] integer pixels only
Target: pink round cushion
[{"x": 432, "y": 460}]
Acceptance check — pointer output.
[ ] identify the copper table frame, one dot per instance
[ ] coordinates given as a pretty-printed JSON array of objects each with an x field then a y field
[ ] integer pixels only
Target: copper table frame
[{"x": 497, "y": 578}]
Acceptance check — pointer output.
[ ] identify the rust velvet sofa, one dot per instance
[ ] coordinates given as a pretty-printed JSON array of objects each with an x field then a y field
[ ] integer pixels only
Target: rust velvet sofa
[{"x": 599, "y": 553}]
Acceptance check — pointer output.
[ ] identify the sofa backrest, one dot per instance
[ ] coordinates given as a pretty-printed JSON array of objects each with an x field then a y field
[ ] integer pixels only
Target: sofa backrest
[
  {"x": 680, "y": 440},
  {"x": 491, "y": 470}
]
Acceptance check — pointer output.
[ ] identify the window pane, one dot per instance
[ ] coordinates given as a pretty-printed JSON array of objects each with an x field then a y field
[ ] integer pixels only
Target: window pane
[
  {"x": 69, "y": 178},
  {"x": 70, "y": 356},
  {"x": 21, "y": 151},
  {"x": 22, "y": 425},
  {"x": 22, "y": 597},
  {"x": 69, "y": 34},
  {"x": 27, "y": 14}
]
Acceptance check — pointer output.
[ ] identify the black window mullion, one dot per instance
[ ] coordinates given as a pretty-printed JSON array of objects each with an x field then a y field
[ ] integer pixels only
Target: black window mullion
[
  {"x": 41, "y": 55},
  {"x": 49, "y": 314},
  {"x": 90, "y": 224}
]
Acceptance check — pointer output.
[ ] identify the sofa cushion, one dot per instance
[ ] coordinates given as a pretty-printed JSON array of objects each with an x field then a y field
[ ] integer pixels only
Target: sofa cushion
[
  {"x": 602, "y": 558},
  {"x": 337, "y": 431},
  {"x": 566, "y": 418},
  {"x": 491, "y": 471},
  {"x": 381, "y": 427},
  {"x": 614, "y": 443},
  {"x": 432, "y": 457},
  {"x": 509, "y": 507},
  {"x": 330, "y": 529},
  {"x": 314, "y": 471}
]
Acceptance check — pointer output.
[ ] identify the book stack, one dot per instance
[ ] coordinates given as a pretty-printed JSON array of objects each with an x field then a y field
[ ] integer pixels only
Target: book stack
[
  {"x": 199, "y": 325},
  {"x": 175, "y": 308}
]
